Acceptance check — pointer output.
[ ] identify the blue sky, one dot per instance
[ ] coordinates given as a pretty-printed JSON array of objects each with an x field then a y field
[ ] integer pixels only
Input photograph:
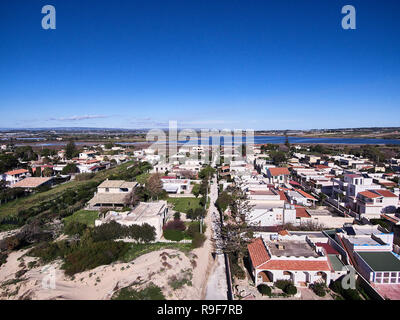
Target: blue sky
[{"x": 207, "y": 64}]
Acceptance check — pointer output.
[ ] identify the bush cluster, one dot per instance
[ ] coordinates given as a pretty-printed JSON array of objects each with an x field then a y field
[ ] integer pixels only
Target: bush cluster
[
  {"x": 113, "y": 230},
  {"x": 286, "y": 286},
  {"x": 347, "y": 294},
  {"x": 319, "y": 289},
  {"x": 264, "y": 290}
]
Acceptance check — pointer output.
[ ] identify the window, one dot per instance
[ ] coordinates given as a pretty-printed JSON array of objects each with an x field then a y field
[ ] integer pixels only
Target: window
[
  {"x": 379, "y": 274},
  {"x": 393, "y": 280},
  {"x": 386, "y": 274},
  {"x": 107, "y": 190},
  {"x": 385, "y": 280},
  {"x": 378, "y": 280},
  {"x": 394, "y": 274}
]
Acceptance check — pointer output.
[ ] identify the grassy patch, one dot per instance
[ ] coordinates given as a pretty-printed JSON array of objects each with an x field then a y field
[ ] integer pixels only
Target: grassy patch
[
  {"x": 13, "y": 207},
  {"x": 184, "y": 204},
  {"x": 142, "y": 178},
  {"x": 151, "y": 292},
  {"x": 86, "y": 217}
]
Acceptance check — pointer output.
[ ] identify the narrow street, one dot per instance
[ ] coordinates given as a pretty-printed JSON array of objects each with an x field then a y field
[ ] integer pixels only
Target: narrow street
[{"x": 217, "y": 286}]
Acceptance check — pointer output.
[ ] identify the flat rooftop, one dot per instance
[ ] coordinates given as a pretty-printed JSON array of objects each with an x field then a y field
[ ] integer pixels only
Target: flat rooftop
[
  {"x": 321, "y": 212},
  {"x": 359, "y": 241},
  {"x": 381, "y": 261},
  {"x": 310, "y": 234},
  {"x": 336, "y": 263},
  {"x": 291, "y": 248}
]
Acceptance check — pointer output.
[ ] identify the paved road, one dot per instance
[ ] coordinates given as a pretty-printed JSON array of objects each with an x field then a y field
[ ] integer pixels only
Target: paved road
[{"x": 217, "y": 286}]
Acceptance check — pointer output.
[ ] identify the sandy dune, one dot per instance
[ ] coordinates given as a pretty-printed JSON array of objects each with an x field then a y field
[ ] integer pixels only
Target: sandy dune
[{"x": 100, "y": 283}]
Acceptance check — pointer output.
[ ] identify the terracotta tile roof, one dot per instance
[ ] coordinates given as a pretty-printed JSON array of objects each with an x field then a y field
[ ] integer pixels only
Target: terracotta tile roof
[
  {"x": 327, "y": 247},
  {"x": 16, "y": 171},
  {"x": 321, "y": 166},
  {"x": 283, "y": 232},
  {"x": 297, "y": 265},
  {"x": 262, "y": 192},
  {"x": 353, "y": 175},
  {"x": 31, "y": 182},
  {"x": 294, "y": 183},
  {"x": 301, "y": 212},
  {"x": 369, "y": 194},
  {"x": 386, "y": 193},
  {"x": 282, "y": 195},
  {"x": 278, "y": 171},
  {"x": 258, "y": 253},
  {"x": 305, "y": 194}
]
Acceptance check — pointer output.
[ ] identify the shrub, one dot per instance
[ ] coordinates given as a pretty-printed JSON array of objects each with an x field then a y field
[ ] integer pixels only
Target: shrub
[
  {"x": 84, "y": 176},
  {"x": 151, "y": 292},
  {"x": 144, "y": 233},
  {"x": 3, "y": 258},
  {"x": 281, "y": 284},
  {"x": 74, "y": 227},
  {"x": 109, "y": 231},
  {"x": 237, "y": 271},
  {"x": 177, "y": 215},
  {"x": 350, "y": 294},
  {"x": 193, "y": 228},
  {"x": 319, "y": 289},
  {"x": 198, "y": 240},
  {"x": 173, "y": 235},
  {"x": 290, "y": 289},
  {"x": 264, "y": 290},
  {"x": 286, "y": 286},
  {"x": 93, "y": 255},
  {"x": 175, "y": 225},
  {"x": 49, "y": 251}
]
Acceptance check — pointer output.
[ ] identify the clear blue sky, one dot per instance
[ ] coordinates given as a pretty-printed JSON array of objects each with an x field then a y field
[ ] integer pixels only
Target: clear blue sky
[{"x": 213, "y": 63}]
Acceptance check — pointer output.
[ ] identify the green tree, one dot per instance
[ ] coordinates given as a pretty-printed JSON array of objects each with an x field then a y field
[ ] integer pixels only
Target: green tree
[
  {"x": 154, "y": 185},
  {"x": 70, "y": 150},
  {"x": 278, "y": 157},
  {"x": 70, "y": 168},
  {"x": 207, "y": 172},
  {"x": 236, "y": 233}
]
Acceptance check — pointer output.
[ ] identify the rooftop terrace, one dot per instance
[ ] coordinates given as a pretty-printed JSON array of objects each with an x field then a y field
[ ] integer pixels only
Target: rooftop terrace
[{"x": 291, "y": 248}]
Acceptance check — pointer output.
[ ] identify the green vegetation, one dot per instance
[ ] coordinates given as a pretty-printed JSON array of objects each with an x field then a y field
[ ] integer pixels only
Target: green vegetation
[
  {"x": 286, "y": 286},
  {"x": 319, "y": 289},
  {"x": 264, "y": 290},
  {"x": 151, "y": 292},
  {"x": 64, "y": 199},
  {"x": 380, "y": 222},
  {"x": 69, "y": 169},
  {"x": 86, "y": 217},
  {"x": 347, "y": 294},
  {"x": 173, "y": 235},
  {"x": 142, "y": 178},
  {"x": 184, "y": 204},
  {"x": 93, "y": 255},
  {"x": 3, "y": 258},
  {"x": 198, "y": 240},
  {"x": 113, "y": 230}
]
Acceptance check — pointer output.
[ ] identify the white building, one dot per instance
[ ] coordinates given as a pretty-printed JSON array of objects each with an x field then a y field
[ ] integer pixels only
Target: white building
[
  {"x": 153, "y": 213},
  {"x": 13, "y": 176},
  {"x": 300, "y": 261}
]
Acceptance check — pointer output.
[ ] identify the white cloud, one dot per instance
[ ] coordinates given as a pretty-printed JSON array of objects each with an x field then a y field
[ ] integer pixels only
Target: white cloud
[{"x": 78, "y": 118}]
